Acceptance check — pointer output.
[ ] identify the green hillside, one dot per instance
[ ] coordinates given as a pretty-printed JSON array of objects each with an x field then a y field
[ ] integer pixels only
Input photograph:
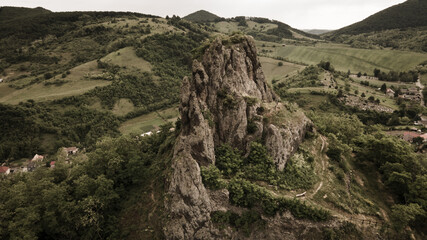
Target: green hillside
[
  {"x": 99, "y": 66},
  {"x": 10, "y": 13},
  {"x": 100, "y": 80},
  {"x": 263, "y": 29},
  {"x": 409, "y": 14},
  {"x": 403, "y": 26},
  {"x": 346, "y": 58},
  {"x": 201, "y": 16}
]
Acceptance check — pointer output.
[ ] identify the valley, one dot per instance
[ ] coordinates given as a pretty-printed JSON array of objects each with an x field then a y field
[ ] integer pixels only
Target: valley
[{"x": 206, "y": 127}]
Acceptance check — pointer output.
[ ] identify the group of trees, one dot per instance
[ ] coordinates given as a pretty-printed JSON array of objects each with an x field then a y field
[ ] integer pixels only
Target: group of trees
[
  {"x": 83, "y": 200},
  {"x": 25, "y": 126},
  {"x": 402, "y": 170},
  {"x": 308, "y": 77},
  {"x": 392, "y": 76},
  {"x": 403, "y": 173},
  {"x": 238, "y": 174}
]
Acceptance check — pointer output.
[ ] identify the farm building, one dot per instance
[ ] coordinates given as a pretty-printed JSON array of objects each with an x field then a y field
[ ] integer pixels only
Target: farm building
[
  {"x": 37, "y": 158},
  {"x": 71, "y": 150}
]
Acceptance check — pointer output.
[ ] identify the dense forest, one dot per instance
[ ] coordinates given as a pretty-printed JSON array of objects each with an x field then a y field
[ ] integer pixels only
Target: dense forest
[{"x": 89, "y": 198}]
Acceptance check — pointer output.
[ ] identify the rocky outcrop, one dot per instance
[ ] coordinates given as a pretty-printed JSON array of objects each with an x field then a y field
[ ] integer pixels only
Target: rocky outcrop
[{"x": 226, "y": 101}]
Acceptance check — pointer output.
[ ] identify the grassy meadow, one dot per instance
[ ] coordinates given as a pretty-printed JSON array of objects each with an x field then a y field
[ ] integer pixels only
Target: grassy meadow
[
  {"x": 273, "y": 71},
  {"x": 344, "y": 58},
  {"x": 149, "y": 122}
]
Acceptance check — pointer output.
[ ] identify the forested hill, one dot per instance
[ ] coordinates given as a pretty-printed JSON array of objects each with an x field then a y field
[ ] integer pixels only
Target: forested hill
[
  {"x": 409, "y": 14},
  {"x": 9, "y": 13},
  {"x": 260, "y": 28},
  {"x": 201, "y": 16}
]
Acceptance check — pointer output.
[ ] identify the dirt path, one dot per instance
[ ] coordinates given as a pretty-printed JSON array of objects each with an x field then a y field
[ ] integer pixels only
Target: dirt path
[
  {"x": 318, "y": 188},
  {"x": 323, "y": 167}
]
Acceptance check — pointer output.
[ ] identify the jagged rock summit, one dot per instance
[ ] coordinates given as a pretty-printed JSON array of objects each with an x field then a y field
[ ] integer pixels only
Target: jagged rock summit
[{"x": 227, "y": 100}]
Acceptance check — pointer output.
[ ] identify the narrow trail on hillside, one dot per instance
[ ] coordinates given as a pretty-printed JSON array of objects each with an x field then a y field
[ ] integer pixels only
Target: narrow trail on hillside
[{"x": 323, "y": 167}]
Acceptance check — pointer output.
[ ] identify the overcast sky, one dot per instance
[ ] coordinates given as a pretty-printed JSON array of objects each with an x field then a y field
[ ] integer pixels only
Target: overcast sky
[{"x": 302, "y": 14}]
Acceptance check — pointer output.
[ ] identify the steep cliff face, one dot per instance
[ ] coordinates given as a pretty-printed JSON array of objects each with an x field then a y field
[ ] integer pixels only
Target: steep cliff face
[{"x": 226, "y": 101}]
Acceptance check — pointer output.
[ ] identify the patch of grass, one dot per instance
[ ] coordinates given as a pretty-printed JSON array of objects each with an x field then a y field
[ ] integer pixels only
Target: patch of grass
[
  {"x": 77, "y": 84},
  {"x": 149, "y": 122},
  {"x": 274, "y": 72},
  {"x": 126, "y": 57},
  {"x": 123, "y": 107}
]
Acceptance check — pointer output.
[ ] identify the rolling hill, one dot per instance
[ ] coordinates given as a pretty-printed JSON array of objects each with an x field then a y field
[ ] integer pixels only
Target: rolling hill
[
  {"x": 410, "y": 14},
  {"x": 109, "y": 84},
  {"x": 9, "y": 13},
  {"x": 403, "y": 26},
  {"x": 201, "y": 16}
]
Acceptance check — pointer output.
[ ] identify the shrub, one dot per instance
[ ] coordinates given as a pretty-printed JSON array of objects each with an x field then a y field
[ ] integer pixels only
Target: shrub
[
  {"x": 48, "y": 75},
  {"x": 251, "y": 127},
  {"x": 228, "y": 160},
  {"x": 211, "y": 177}
]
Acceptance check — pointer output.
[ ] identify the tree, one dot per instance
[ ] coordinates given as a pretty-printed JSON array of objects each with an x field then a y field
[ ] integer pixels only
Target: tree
[
  {"x": 228, "y": 160},
  {"x": 359, "y": 74},
  {"x": 403, "y": 215},
  {"x": 280, "y": 64},
  {"x": 384, "y": 88},
  {"x": 363, "y": 95},
  {"x": 377, "y": 72}
]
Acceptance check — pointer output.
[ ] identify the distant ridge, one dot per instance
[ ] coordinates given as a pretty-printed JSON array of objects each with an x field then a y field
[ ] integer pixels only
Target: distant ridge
[
  {"x": 201, "y": 16},
  {"x": 410, "y": 14},
  {"x": 9, "y": 13}
]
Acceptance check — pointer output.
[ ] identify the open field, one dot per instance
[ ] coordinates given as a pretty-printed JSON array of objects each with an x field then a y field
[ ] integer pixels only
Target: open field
[
  {"x": 345, "y": 58},
  {"x": 273, "y": 71},
  {"x": 149, "y": 122},
  {"x": 126, "y": 57},
  {"x": 76, "y": 84}
]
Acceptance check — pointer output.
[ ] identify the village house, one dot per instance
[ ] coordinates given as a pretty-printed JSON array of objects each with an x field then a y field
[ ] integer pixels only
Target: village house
[
  {"x": 389, "y": 92},
  {"x": 37, "y": 158},
  {"x": 146, "y": 134},
  {"x": 31, "y": 166},
  {"x": 4, "y": 170},
  {"x": 52, "y": 164},
  {"x": 71, "y": 150}
]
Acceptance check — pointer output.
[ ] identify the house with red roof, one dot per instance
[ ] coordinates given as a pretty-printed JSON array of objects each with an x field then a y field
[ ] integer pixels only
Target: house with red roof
[
  {"x": 52, "y": 164},
  {"x": 409, "y": 136},
  {"x": 4, "y": 170}
]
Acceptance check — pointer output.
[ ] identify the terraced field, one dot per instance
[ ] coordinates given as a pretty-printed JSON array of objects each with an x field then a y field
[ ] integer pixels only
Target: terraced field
[{"x": 344, "y": 58}]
